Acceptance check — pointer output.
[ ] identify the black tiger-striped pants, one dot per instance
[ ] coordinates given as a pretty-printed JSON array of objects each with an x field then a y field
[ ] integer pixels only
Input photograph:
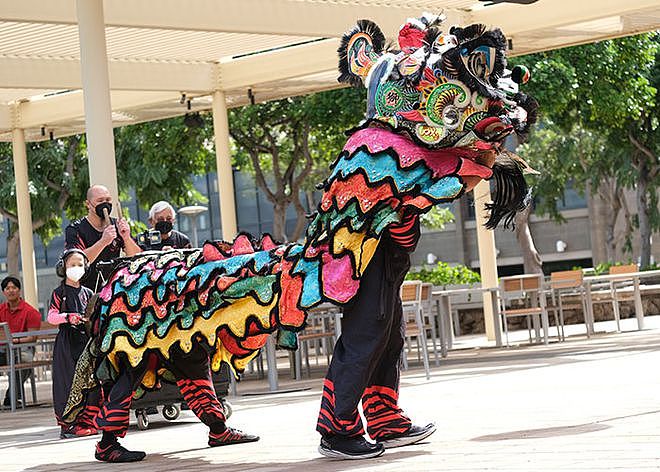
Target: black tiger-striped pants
[
  {"x": 193, "y": 376},
  {"x": 365, "y": 362}
]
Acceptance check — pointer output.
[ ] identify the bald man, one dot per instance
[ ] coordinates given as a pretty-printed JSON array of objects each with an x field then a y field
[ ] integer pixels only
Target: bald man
[{"x": 99, "y": 237}]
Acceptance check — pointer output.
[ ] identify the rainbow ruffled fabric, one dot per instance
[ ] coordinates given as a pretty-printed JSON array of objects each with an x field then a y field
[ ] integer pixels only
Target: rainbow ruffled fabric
[{"x": 231, "y": 296}]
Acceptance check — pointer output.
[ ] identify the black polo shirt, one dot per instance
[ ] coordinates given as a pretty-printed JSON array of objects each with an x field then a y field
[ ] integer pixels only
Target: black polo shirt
[{"x": 82, "y": 235}]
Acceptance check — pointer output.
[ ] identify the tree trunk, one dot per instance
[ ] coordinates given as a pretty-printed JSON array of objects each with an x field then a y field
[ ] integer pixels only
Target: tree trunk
[
  {"x": 646, "y": 163},
  {"x": 531, "y": 258},
  {"x": 279, "y": 222},
  {"x": 610, "y": 194},
  {"x": 13, "y": 244},
  {"x": 301, "y": 220},
  {"x": 644, "y": 220},
  {"x": 311, "y": 204}
]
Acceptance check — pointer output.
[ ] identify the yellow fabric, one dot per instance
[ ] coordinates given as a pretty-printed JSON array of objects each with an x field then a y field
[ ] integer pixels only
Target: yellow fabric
[
  {"x": 357, "y": 244},
  {"x": 233, "y": 316}
]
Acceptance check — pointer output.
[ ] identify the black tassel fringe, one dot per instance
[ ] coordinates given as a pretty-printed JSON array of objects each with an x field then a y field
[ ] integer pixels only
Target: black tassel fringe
[
  {"x": 377, "y": 41},
  {"x": 531, "y": 106},
  {"x": 511, "y": 195}
]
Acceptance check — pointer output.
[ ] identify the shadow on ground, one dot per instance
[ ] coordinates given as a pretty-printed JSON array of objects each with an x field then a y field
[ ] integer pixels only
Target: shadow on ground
[
  {"x": 559, "y": 430},
  {"x": 169, "y": 461}
]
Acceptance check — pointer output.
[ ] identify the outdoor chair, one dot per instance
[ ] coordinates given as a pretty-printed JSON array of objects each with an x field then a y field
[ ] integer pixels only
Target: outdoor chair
[
  {"x": 523, "y": 295},
  {"x": 429, "y": 318},
  {"x": 615, "y": 291},
  {"x": 413, "y": 324},
  {"x": 15, "y": 364},
  {"x": 43, "y": 354},
  {"x": 320, "y": 335},
  {"x": 567, "y": 293}
]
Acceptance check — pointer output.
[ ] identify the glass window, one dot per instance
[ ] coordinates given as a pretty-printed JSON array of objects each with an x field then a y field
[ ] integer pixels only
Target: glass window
[{"x": 184, "y": 224}]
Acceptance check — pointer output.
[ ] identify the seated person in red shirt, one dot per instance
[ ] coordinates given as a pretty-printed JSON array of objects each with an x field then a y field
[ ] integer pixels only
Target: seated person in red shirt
[{"x": 21, "y": 317}]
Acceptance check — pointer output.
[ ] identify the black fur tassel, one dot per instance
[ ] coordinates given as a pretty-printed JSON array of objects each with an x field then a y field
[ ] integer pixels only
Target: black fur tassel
[
  {"x": 531, "y": 106},
  {"x": 469, "y": 32},
  {"x": 377, "y": 41},
  {"x": 511, "y": 194},
  {"x": 469, "y": 38}
]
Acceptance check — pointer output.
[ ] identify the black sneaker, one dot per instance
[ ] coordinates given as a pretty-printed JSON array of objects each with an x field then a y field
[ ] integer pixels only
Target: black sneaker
[
  {"x": 7, "y": 402},
  {"x": 341, "y": 447},
  {"x": 414, "y": 435},
  {"x": 230, "y": 436},
  {"x": 115, "y": 452}
]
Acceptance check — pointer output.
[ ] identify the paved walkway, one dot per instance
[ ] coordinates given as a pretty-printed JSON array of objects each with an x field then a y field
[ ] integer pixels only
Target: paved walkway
[{"x": 582, "y": 405}]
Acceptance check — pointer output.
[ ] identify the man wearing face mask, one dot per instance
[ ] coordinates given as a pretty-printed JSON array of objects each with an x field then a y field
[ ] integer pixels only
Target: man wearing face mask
[
  {"x": 161, "y": 218},
  {"x": 98, "y": 235}
]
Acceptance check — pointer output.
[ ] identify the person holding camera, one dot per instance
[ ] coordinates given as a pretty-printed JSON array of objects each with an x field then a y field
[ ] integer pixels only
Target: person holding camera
[
  {"x": 67, "y": 310},
  {"x": 98, "y": 235},
  {"x": 161, "y": 235}
]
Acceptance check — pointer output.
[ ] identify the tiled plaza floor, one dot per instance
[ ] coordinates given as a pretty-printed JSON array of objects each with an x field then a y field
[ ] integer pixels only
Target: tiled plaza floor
[{"x": 581, "y": 405}]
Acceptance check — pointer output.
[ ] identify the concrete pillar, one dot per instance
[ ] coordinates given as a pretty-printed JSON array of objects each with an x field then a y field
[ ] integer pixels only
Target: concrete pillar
[
  {"x": 223, "y": 165},
  {"x": 96, "y": 92},
  {"x": 487, "y": 258},
  {"x": 28, "y": 266}
]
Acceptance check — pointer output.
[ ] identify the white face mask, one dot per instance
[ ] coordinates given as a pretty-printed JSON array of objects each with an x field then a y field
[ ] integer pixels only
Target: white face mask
[{"x": 75, "y": 273}]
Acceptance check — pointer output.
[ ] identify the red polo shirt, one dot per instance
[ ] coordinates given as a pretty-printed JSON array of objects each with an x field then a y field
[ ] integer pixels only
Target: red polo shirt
[{"x": 21, "y": 319}]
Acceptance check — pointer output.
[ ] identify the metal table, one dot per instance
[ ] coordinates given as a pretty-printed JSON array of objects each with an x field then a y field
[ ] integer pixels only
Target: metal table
[
  {"x": 443, "y": 305},
  {"x": 637, "y": 295}
]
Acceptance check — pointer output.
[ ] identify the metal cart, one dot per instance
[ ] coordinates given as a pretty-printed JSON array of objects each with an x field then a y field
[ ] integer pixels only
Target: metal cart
[{"x": 169, "y": 398}]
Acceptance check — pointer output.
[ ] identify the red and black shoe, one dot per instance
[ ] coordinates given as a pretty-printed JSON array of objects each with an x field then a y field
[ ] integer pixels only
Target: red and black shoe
[
  {"x": 77, "y": 431},
  {"x": 115, "y": 452},
  {"x": 230, "y": 436}
]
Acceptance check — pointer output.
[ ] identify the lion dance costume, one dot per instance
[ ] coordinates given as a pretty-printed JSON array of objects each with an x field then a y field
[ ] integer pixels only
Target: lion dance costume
[{"x": 439, "y": 109}]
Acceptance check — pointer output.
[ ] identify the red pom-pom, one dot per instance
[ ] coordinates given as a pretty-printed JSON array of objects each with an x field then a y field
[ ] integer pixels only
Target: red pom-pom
[{"x": 410, "y": 37}]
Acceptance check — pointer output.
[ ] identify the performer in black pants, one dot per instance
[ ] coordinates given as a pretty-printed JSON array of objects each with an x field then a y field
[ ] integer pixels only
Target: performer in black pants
[
  {"x": 366, "y": 358},
  {"x": 193, "y": 377}
]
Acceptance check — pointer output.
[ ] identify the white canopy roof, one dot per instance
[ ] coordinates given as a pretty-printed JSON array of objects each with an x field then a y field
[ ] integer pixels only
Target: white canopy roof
[{"x": 159, "y": 49}]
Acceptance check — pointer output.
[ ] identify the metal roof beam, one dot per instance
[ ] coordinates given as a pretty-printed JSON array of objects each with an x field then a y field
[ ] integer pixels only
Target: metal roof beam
[
  {"x": 67, "y": 106},
  {"x": 281, "y": 17},
  {"x": 58, "y": 73},
  {"x": 517, "y": 19},
  {"x": 281, "y": 64}
]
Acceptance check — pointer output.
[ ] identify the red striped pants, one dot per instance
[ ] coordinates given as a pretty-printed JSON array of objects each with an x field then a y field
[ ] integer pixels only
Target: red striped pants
[
  {"x": 193, "y": 376},
  {"x": 365, "y": 362}
]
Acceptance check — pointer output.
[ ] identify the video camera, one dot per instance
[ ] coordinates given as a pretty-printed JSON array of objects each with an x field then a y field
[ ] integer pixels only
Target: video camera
[{"x": 149, "y": 238}]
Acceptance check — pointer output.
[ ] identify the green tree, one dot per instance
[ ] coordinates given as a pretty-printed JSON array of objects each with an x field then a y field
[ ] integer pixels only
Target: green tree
[
  {"x": 585, "y": 159},
  {"x": 53, "y": 168},
  {"x": 156, "y": 159},
  {"x": 437, "y": 218},
  {"x": 608, "y": 89},
  {"x": 288, "y": 144}
]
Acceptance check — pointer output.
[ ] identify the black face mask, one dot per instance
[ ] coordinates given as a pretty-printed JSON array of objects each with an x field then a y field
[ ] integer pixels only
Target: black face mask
[
  {"x": 163, "y": 227},
  {"x": 101, "y": 206}
]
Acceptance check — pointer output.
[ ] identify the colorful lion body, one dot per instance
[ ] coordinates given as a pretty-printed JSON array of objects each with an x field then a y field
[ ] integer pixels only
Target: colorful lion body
[{"x": 435, "y": 123}]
